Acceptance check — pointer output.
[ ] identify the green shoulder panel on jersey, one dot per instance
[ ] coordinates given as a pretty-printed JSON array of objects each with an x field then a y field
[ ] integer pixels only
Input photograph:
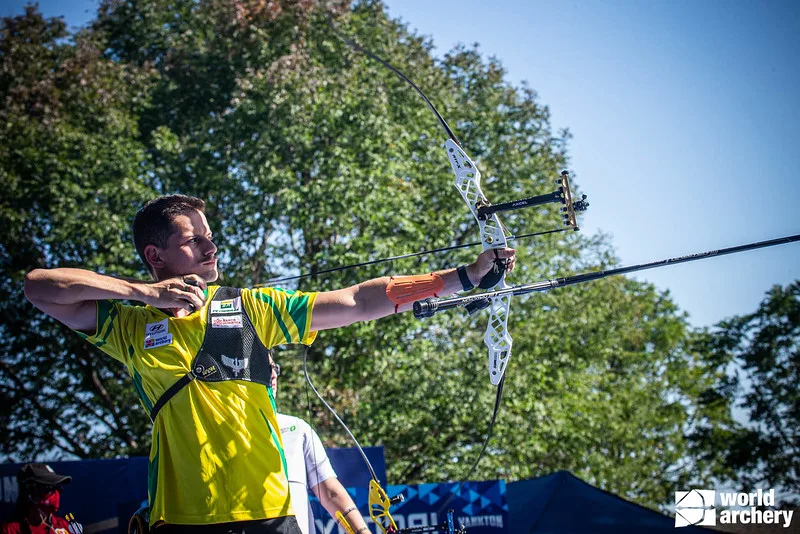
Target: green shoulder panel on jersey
[
  {"x": 275, "y": 311},
  {"x": 298, "y": 310}
]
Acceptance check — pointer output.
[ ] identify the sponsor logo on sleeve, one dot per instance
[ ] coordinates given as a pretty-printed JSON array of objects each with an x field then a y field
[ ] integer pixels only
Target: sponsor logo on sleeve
[
  {"x": 154, "y": 329},
  {"x": 157, "y": 334}
]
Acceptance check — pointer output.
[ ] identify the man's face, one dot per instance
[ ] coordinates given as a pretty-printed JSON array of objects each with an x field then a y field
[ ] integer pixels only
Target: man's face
[
  {"x": 274, "y": 378},
  {"x": 190, "y": 249}
]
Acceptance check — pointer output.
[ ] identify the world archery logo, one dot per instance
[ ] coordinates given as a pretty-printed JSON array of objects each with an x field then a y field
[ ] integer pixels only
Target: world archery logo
[{"x": 695, "y": 507}]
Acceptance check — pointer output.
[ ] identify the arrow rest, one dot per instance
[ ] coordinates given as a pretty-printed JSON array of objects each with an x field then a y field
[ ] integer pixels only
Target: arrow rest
[{"x": 476, "y": 306}]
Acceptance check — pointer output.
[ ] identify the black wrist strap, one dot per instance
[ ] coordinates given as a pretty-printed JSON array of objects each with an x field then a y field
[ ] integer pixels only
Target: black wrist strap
[{"x": 466, "y": 284}]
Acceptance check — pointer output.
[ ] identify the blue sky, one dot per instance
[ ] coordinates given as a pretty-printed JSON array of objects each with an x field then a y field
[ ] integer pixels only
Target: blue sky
[{"x": 685, "y": 122}]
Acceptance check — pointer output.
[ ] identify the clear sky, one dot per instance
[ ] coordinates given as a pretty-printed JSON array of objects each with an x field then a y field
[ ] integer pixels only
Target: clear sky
[{"x": 686, "y": 133}]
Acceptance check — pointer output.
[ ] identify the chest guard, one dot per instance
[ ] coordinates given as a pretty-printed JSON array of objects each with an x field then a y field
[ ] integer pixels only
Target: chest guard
[{"x": 231, "y": 349}]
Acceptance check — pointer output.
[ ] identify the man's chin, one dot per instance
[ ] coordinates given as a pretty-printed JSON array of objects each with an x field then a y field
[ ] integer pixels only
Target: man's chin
[{"x": 211, "y": 275}]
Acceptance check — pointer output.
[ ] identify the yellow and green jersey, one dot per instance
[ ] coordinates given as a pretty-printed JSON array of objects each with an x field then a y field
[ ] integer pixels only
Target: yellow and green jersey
[{"x": 217, "y": 454}]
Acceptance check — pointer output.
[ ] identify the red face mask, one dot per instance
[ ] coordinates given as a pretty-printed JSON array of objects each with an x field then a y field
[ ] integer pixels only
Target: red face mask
[{"x": 49, "y": 502}]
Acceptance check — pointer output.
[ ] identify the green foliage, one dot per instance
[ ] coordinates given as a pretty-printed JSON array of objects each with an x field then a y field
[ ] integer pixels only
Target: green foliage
[
  {"x": 764, "y": 349},
  {"x": 311, "y": 156},
  {"x": 71, "y": 176}
]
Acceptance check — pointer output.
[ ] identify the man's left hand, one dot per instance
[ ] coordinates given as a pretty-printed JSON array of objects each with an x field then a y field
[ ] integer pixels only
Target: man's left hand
[{"x": 485, "y": 262}]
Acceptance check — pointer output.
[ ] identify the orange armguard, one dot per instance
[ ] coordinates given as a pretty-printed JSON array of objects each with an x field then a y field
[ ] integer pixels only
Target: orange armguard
[{"x": 413, "y": 288}]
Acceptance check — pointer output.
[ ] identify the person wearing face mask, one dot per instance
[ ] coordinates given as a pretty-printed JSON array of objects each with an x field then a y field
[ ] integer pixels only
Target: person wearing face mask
[{"x": 38, "y": 501}]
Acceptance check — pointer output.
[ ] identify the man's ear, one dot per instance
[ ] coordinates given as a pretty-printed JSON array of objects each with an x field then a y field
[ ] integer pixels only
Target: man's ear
[{"x": 153, "y": 256}]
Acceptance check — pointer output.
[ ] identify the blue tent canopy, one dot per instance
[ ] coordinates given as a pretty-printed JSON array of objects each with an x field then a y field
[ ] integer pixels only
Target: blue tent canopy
[{"x": 561, "y": 503}]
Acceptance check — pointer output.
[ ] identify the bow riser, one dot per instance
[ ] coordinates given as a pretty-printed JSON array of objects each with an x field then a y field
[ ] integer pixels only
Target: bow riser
[
  {"x": 468, "y": 183},
  {"x": 497, "y": 337}
]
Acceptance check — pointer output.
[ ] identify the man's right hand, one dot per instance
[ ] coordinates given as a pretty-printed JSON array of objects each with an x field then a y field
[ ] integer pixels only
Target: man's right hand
[
  {"x": 178, "y": 293},
  {"x": 69, "y": 295}
]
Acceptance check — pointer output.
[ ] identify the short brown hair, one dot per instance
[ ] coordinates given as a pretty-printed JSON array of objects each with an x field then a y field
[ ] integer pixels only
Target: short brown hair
[{"x": 152, "y": 224}]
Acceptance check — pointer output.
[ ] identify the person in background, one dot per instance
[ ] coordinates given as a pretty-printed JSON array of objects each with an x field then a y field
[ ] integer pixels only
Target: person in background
[
  {"x": 38, "y": 501},
  {"x": 310, "y": 468}
]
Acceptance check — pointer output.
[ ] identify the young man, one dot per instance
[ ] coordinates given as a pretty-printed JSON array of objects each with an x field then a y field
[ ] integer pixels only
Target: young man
[
  {"x": 308, "y": 466},
  {"x": 198, "y": 358}
]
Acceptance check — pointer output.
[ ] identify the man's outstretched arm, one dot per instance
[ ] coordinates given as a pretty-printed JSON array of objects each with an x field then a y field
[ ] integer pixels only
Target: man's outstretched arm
[
  {"x": 368, "y": 300},
  {"x": 334, "y": 498},
  {"x": 69, "y": 295}
]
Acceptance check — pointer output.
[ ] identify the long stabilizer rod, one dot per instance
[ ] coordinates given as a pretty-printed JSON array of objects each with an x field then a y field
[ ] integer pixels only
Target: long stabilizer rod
[{"x": 431, "y": 306}]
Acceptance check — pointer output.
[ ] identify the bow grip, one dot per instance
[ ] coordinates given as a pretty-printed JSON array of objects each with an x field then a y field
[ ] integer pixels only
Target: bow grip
[{"x": 493, "y": 277}]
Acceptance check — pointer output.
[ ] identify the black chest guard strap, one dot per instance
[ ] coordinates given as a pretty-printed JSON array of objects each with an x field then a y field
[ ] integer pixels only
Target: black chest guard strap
[{"x": 231, "y": 349}]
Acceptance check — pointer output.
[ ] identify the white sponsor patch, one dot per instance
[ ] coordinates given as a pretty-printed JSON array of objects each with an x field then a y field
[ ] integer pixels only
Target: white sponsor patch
[
  {"x": 152, "y": 342},
  {"x": 226, "y": 321},
  {"x": 157, "y": 334},
  {"x": 156, "y": 329},
  {"x": 226, "y": 306}
]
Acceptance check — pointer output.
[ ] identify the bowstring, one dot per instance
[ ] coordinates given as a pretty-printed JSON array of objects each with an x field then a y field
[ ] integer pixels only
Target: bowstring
[
  {"x": 336, "y": 415},
  {"x": 310, "y": 420}
]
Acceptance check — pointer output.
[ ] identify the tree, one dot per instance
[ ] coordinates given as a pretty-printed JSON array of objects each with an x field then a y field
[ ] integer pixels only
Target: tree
[
  {"x": 764, "y": 349},
  {"x": 311, "y": 156},
  {"x": 71, "y": 172}
]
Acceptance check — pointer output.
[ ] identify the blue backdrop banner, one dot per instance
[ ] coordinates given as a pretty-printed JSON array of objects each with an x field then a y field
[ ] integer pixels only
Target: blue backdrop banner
[{"x": 480, "y": 506}]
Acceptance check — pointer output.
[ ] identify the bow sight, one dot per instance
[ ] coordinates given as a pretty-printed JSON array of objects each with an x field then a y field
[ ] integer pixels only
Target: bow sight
[{"x": 563, "y": 195}]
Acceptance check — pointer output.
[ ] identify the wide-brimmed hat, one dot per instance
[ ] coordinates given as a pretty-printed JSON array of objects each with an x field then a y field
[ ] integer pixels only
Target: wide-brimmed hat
[{"x": 41, "y": 474}]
